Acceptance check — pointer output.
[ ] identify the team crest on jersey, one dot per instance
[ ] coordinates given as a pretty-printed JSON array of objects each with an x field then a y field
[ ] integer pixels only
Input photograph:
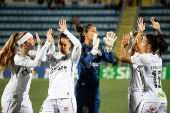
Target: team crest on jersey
[
  {"x": 85, "y": 109},
  {"x": 151, "y": 109},
  {"x": 26, "y": 72},
  {"x": 161, "y": 95}
]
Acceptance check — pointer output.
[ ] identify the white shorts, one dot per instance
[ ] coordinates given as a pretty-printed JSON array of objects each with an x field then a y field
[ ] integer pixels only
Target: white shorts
[
  {"x": 152, "y": 107},
  {"x": 11, "y": 106},
  {"x": 133, "y": 101},
  {"x": 67, "y": 105}
]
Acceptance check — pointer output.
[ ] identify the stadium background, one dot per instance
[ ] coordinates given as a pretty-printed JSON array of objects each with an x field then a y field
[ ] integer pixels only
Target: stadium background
[{"x": 28, "y": 15}]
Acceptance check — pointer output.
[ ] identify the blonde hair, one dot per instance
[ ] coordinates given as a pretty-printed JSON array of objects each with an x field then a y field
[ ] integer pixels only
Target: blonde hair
[
  {"x": 133, "y": 34},
  {"x": 8, "y": 51}
]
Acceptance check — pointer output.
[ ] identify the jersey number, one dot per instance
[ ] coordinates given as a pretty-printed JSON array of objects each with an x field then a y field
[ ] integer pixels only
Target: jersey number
[{"x": 157, "y": 78}]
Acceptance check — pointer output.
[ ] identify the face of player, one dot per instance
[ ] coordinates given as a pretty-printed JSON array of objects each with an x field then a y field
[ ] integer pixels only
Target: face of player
[
  {"x": 64, "y": 45},
  {"x": 144, "y": 44},
  {"x": 30, "y": 43},
  {"x": 89, "y": 35}
]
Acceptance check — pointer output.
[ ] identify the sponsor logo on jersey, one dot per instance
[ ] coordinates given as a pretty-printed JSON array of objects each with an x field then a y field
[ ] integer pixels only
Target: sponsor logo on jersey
[
  {"x": 161, "y": 95},
  {"x": 151, "y": 109},
  {"x": 66, "y": 108},
  {"x": 60, "y": 68},
  {"x": 93, "y": 64}
]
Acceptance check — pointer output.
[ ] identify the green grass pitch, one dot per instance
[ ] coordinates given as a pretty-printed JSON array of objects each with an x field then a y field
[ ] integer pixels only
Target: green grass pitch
[{"x": 113, "y": 94}]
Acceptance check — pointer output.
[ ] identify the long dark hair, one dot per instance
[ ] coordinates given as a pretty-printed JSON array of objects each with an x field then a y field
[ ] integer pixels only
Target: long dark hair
[
  {"x": 157, "y": 42},
  {"x": 82, "y": 30},
  {"x": 62, "y": 35}
]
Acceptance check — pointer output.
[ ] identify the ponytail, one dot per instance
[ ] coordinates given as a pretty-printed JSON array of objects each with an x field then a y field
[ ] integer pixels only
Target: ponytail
[
  {"x": 81, "y": 31},
  {"x": 162, "y": 44},
  {"x": 157, "y": 42},
  {"x": 8, "y": 51}
]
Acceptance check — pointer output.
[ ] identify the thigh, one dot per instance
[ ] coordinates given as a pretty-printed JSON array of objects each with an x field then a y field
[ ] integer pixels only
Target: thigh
[
  {"x": 162, "y": 108},
  {"x": 136, "y": 99},
  {"x": 96, "y": 102},
  {"x": 84, "y": 98},
  {"x": 49, "y": 106},
  {"x": 66, "y": 105}
]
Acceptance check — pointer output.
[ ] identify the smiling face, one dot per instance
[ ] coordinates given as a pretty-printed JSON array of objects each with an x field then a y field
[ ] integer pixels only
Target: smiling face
[
  {"x": 30, "y": 43},
  {"x": 64, "y": 45}
]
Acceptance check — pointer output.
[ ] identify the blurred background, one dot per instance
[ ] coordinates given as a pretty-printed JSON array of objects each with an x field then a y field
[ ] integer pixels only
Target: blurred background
[{"x": 119, "y": 16}]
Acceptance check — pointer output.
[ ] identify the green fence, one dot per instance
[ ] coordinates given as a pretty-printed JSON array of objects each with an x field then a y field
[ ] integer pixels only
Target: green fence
[{"x": 123, "y": 72}]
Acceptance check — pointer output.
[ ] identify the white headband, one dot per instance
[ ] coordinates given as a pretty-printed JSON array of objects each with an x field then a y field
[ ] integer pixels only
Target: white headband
[{"x": 24, "y": 38}]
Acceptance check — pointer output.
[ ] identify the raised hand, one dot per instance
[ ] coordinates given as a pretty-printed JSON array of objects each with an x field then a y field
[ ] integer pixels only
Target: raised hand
[
  {"x": 38, "y": 39},
  {"x": 53, "y": 42},
  {"x": 154, "y": 25},
  {"x": 110, "y": 39},
  {"x": 141, "y": 26},
  {"x": 49, "y": 35},
  {"x": 125, "y": 40},
  {"x": 63, "y": 26},
  {"x": 96, "y": 41}
]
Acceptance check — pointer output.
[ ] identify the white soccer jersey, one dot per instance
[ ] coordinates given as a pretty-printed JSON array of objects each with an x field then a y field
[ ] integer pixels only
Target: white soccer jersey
[
  {"x": 135, "y": 87},
  {"x": 150, "y": 69},
  {"x": 19, "y": 84},
  {"x": 135, "y": 84},
  {"x": 61, "y": 76}
]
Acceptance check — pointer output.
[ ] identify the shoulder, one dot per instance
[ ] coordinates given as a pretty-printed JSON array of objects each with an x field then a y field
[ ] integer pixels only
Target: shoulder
[
  {"x": 18, "y": 56},
  {"x": 140, "y": 59}
]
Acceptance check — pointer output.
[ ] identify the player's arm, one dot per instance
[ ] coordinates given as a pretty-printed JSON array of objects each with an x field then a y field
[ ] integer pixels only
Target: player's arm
[
  {"x": 76, "y": 43},
  {"x": 107, "y": 56},
  {"x": 86, "y": 60},
  {"x": 138, "y": 38},
  {"x": 123, "y": 57},
  {"x": 36, "y": 62},
  {"x": 109, "y": 41}
]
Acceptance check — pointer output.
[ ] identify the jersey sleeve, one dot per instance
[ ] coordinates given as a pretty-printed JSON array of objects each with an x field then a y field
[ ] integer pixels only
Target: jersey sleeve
[
  {"x": 107, "y": 56},
  {"x": 21, "y": 61},
  {"x": 86, "y": 59},
  {"x": 49, "y": 55},
  {"x": 77, "y": 46},
  {"x": 139, "y": 59},
  {"x": 33, "y": 53}
]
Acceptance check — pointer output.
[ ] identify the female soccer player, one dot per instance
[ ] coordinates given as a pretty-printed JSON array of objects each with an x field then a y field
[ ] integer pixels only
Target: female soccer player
[
  {"x": 87, "y": 89},
  {"x": 15, "y": 98},
  {"x": 135, "y": 85},
  {"x": 61, "y": 77},
  {"x": 149, "y": 66}
]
